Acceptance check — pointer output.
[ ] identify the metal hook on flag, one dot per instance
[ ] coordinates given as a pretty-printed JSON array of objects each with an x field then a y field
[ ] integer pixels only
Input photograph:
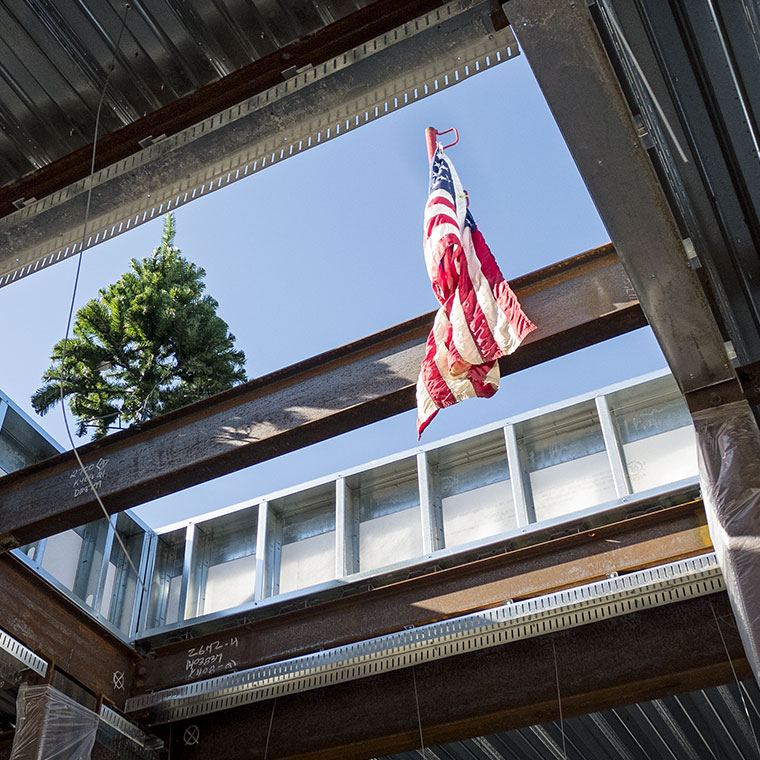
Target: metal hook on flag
[{"x": 431, "y": 138}]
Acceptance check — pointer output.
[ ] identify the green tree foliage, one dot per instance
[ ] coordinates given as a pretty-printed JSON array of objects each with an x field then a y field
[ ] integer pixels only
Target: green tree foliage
[{"x": 149, "y": 343}]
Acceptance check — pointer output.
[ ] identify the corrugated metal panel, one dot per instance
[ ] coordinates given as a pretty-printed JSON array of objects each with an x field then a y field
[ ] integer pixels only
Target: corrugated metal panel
[
  {"x": 712, "y": 724},
  {"x": 315, "y": 104},
  {"x": 55, "y": 54}
]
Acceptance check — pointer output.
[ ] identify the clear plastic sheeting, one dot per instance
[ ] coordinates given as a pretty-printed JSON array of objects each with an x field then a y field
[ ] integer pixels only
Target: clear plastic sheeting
[
  {"x": 52, "y": 726},
  {"x": 728, "y": 446}
]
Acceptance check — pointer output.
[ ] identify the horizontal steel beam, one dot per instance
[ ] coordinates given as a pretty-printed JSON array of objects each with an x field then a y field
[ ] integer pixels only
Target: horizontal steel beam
[
  {"x": 66, "y": 637},
  {"x": 527, "y": 571},
  {"x": 636, "y": 657},
  {"x": 483, "y": 629},
  {"x": 577, "y": 302}
]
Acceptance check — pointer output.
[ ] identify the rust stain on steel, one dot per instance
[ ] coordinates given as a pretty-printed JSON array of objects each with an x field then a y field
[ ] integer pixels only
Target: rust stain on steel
[
  {"x": 59, "y": 632},
  {"x": 576, "y": 303},
  {"x": 641, "y": 656},
  {"x": 632, "y": 544}
]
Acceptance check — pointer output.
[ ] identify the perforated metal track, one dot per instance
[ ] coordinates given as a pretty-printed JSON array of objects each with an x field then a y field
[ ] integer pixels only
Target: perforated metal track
[
  {"x": 16, "y": 658},
  {"x": 493, "y": 627},
  {"x": 316, "y": 104},
  {"x": 126, "y": 740}
]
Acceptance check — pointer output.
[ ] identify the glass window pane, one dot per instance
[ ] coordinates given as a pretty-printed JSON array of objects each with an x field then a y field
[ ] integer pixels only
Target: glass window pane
[
  {"x": 305, "y": 529},
  {"x": 307, "y": 562},
  {"x": 163, "y": 608},
  {"x": 224, "y": 562},
  {"x": 566, "y": 464},
  {"x": 173, "y": 599},
  {"x": 656, "y": 434},
  {"x": 474, "y": 487},
  {"x": 387, "y": 502},
  {"x": 31, "y": 550}
]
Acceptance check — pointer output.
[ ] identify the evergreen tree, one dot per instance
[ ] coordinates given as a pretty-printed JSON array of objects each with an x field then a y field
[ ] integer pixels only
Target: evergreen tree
[{"x": 149, "y": 343}]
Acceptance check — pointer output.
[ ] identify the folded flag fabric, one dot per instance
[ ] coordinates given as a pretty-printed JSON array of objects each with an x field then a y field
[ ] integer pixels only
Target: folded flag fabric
[{"x": 480, "y": 318}]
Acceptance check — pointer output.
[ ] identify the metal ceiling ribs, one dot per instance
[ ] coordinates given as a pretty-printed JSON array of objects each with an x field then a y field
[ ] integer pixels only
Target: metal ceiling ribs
[
  {"x": 691, "y": 67},
  {"x": 55, "y": 59},
  {"x": 702, "y": 725},
  {"x": 313, "y": 104}
]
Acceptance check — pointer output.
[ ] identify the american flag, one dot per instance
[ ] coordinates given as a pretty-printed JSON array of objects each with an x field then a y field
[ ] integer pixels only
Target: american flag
[{"x": 480, "y": 319}]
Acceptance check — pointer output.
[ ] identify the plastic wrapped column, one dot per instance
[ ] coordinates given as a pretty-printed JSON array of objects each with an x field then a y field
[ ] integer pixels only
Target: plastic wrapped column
[
  {"x": 728, "y": 444},
  {"x": 52, "y": 726}
]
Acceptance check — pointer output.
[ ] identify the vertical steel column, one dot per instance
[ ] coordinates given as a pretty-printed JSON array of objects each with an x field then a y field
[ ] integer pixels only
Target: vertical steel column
[
  {"x": 150, "y": 569},
  {"x": 345, "y": 540},
  {"x": 187, "y": 567},
  {"x": 100, "y": 588},
  {"x": 431, "y": 516},
  {"x": 612, "y": 444},
  {"x": 261, "y": 550},
  {"x": 522, "y": 516},
  {"x": 3, "y": 411},
  {"x": 142, "y": 583},
  {"x": 40, "y": 551}
]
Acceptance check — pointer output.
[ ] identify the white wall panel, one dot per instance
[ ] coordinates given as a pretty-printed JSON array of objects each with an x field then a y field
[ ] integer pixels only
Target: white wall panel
[{"x": 478, "y": 513}]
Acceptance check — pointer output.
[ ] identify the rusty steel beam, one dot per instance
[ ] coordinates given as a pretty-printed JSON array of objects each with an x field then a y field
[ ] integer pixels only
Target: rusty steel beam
[
  {"x": 637, "y": 657},
  {"x": 364, "y": 24},
  {"x": 58, "y": 631},
  {"x": 577, "y": 79},
  {"x": 551, "y": 565},
  {"x": 577, "y": 302}
]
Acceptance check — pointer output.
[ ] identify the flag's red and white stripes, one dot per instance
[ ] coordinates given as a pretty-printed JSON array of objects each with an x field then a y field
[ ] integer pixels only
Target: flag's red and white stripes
[{"x": 480, "y": 319}]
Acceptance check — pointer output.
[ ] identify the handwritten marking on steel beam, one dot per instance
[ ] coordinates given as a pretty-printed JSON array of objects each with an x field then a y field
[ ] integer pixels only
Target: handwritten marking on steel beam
[
  {"x": 191, "y": 736},
  {"x": 96, "y": 471},
  {"x": 211, "y": 658}
]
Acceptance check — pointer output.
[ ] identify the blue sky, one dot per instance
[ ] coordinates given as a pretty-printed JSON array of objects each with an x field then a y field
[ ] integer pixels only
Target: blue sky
[{"x": 325, "y": 248}]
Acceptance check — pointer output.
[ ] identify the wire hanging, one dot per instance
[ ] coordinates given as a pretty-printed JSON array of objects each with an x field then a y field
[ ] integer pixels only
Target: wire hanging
[{"x": 111, "y": 519}]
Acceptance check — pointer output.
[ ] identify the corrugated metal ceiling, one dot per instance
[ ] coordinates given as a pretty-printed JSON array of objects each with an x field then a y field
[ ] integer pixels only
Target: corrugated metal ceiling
[
  {"x": 187, "y": 148},
  {"x": 55, "y": 56},
  {"x": 712, "y": 724}
]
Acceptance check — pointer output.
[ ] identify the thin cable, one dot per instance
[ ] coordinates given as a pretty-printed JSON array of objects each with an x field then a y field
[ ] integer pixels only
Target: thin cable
[
  {"x": 736, "y": 677},
  {"x": 269, "y": 731},
  {"x": 417, "y": 704},
  {"x": 73, "y": 301},
  {"x": 559, "y": 701}
]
